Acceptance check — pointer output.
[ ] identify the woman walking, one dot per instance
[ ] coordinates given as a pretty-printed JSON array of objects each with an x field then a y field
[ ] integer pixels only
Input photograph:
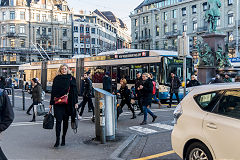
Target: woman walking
[
  {"x": 147, "y": 89},
  {"x": 126, "y": 96},
  {"x": 155, "y": 93},
  {"x": 36, "y": 96},
  {"x": 64, "y": 99}
]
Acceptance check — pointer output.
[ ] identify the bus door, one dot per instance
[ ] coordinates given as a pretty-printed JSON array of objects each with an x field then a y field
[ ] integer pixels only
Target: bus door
[{"x": 114, "y": 78}]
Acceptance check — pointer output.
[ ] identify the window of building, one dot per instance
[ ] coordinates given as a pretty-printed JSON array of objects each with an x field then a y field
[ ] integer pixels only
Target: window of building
[
  {"x": 93, "y": 51},
  {"x": 87, "y": 29},
  {"x": 174, "y": 42},
  {"x": 11, "y": 2},
  {"x": 165, "y": 44},
  {"x": 44, "y": 31},
  {"x": 87, "y": 40},
  {"x": 230, "y": 36},
  {"x": 174, "y": 13},
  {"x": 136, "y": 22},
  {"x": 3, "y": 29},
  {"x": 12, "y": 43},
  {"x": 44, "y": 17},
  {"x": 76, "y": 50},
  {"x": 136, "y": 35},
  {"x": 22, "y": 15},
  {"x": 147, "y": 19},
  {"x": 218, "y": 22},
  {"x": 93, "y": 30},
  {"x": 81, "y": 40},
  {"x": 49, "y": 31},
  {"x": 64, "y": 44},
  {"x": 135, "y": 46},
  {"x": 165, "y": 16},
  {"x": 194, "y": 40},
  {"x": 3, "y": 16},
  {"x": 194, "y": 9},
  {"x": 156, "y": 17},
  {"x": 38, "y": 30},
  {"x": 64, "y": 32},
  {"x": 165, "y": 29},
  {"x": 49, "y": 45},
  {"x": 184, "y": 11},
  {"x": 144, "y": 20},
  {"x": 75, "y": 28},
  {"x": 44, "y": 44},
  {"x": 184, "y": 27},
  {"x": 64, "y": 18},
  {"x": 12, "y": 15},
  {"x": 38, "y": 17},
  {"x": 157, "y": 30},
  {"x": 82, "y": 50},
  {"x": 230, "y": 2},
  {"x": 22, "y": 29},
  {"x": 22, "y": 43},
  {"x": 174, "y": 28},
  {"x": 82, "y": 29},
  {"x": 194, "y": 25},
  {"x": 230, "y": 19},
  {"x": 12, "y": 29},
  {"x": 75, "y": 39},
  {"x": 157, "y": 45},
  {"x": 87, "y": 50},
  {"x": 64, "y": 8},
  {"x": 93, "y": 40},
  {"x": 205, "y": 6}
]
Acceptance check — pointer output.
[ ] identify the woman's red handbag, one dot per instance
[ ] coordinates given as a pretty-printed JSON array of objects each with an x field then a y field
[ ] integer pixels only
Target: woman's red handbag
[{"x": 61, "y": 100}]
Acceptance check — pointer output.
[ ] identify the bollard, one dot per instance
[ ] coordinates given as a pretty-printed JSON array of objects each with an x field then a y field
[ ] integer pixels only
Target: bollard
[
  {"x": 13, "y": 96},
  {"x": 23, "y": 99}
]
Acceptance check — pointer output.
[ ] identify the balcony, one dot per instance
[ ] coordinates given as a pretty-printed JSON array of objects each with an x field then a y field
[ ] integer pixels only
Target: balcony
[
  {"x": 44, "y": 36},
  {"x": 202, "y": 29},
  {"x": 173, "y": 34},
  {"x": 145, "y": 38},
  {"x": 11, "y": 34}
]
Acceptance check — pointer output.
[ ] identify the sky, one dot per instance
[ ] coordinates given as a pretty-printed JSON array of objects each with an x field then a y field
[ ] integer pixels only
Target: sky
[{"x": 121, "y": 8}]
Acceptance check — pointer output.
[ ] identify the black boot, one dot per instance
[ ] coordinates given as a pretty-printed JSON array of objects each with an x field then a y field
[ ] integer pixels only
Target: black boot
[
  {"x": 28, "y": 112},
  {"x": 134, "y": 116},
  {"x": 63, "y": 141},
  {"x": 57, "y": 142},
  {"x": 154, "y": 118}
]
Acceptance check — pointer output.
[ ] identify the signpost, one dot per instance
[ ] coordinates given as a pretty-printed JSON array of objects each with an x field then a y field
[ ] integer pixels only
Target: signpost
[{"x": 183, "y": 52}]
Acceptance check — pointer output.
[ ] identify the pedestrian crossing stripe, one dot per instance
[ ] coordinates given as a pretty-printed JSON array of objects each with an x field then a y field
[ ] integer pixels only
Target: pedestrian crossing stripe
[
  {"x": 148, "y": 130},
  {"x": 142, "y": 130}
]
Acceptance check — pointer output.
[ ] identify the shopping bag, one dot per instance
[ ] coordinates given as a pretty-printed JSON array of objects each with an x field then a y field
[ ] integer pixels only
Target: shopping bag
[
  {"x": 39, "y": 110},
  {"x": 48, "y": 121}
]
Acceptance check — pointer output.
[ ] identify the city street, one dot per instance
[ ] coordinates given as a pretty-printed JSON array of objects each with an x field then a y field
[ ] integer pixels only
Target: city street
[{"x": 28, "y": 140}]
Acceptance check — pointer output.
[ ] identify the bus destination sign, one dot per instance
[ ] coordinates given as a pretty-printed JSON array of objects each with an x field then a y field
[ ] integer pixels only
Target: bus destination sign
[{"x": 132, "y": 55}]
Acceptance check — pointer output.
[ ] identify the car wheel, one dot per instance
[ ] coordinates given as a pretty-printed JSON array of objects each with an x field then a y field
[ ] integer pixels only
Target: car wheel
[{"x": 198, "y": 151}]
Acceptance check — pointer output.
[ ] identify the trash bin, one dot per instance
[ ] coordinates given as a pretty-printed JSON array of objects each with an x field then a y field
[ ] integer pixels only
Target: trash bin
[{"x": 105, "y": 115}]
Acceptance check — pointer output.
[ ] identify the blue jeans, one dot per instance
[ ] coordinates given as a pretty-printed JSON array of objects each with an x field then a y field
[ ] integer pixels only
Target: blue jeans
[
  {"x": 155, "y": 98},
  {"x": 146, "y": 110}
]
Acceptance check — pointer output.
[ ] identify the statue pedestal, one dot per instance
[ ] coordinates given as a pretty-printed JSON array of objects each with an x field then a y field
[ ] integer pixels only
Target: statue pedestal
[
  {"x": 205, "y": 74},
  {"x": 214, "y": 40}
]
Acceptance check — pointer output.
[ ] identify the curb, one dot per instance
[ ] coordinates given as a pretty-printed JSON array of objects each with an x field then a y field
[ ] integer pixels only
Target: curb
[{"x": 116, "y": 154}]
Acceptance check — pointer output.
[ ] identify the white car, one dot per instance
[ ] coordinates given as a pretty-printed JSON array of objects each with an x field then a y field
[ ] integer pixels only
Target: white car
[{"x": 207, "y": 123}]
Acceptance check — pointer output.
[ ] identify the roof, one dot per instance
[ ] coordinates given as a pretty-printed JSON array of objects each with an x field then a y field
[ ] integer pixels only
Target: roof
[
  {"x": 110, "y": 16},
  {"x": 214, "y": 87},
  {"x": 147, "y": 2}
]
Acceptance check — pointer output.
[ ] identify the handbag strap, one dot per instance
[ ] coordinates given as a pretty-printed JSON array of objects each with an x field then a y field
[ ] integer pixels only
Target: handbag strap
[{"x": 69, "y": 86}]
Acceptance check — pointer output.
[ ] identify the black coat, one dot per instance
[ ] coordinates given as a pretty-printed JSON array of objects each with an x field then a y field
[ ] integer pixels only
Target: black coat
[
  {"x": 138, "y": 82},
  {"x": 88, "y": 89},
  {"x": 107, "y": 83},
  {"x": 125, "y": 93},
  {"x": 193, "y": 83},
  {"x": 60, "y": 87},
  {"x": 37, "y": 93},
  {"x": 174, "y": 85},
  {"x": 6, "y": 111},
  {"x": 147, "y": 92}
]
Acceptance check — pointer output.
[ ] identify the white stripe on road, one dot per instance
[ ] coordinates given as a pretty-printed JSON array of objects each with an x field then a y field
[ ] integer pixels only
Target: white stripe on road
[
  {"x": 142, "y": 130},
  {"x": 29, "y": 98},
  {"x": 162, "y": 126}
]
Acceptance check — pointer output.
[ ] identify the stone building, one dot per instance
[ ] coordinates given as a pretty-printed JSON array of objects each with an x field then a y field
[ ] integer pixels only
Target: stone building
[
  {"x": 32, "y": 29},
  {"x": 97, "y": 32},
  {"x": 156, "y": 24}
]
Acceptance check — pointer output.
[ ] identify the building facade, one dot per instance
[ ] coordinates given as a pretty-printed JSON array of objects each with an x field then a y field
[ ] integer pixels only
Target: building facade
[
  {"x": 33, "y": 30},
  {"x": 156, "y": 24},
  {"x": 98, "y": 32}
]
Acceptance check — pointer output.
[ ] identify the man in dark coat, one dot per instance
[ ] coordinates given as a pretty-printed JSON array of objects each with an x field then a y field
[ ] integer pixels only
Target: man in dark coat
[
  {"x": 193, "y": 82},
  {"x": 107, "y": 82},
  {"x": 6, "y": 116},
  {"x": 87, "y": 95},
  {"x": 217, "y": 79},
  {"x": 175, "y": 84},
  {"x": 147, "y": 89},
  {"x": 139, "y": 93}
]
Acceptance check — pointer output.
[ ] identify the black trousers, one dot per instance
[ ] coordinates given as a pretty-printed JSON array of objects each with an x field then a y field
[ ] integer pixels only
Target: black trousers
[
  {"x": 140, "y": 102},
  {"x": 2, "y": 155},
  {"x": 31, "y": 107},
  {"x": 128, "y": 102},
  {"x": 84, "y": 102},
  {"x": 61, "y": 116},
  {"x": 171, "y": 95}
]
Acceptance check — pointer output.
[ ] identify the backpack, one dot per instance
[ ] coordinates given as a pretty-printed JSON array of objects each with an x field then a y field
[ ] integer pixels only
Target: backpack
[
  {"x": 154, "y": 88},
  {"x": 43, "y": 95}
]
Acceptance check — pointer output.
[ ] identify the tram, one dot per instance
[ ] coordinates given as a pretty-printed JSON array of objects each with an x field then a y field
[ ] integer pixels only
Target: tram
[{"x": 120, "y": 64}]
